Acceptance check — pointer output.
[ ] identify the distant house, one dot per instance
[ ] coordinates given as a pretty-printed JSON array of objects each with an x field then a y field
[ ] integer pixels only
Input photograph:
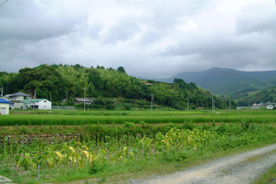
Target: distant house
[
  {"x": 17, "y": 97},
  {"x": 269, "y": 107},
  {"x": 4, "y": 106},
  {"x": 255, "y": 106},
  {"x": 41, "y": 104},
  {"x": 82, "y": 100}
]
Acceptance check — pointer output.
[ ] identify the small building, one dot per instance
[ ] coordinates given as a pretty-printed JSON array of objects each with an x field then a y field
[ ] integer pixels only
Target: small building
[
  {"x": 82, "y": 100},
  {"x": 255, "y": 106},
  {"x": 17, "y": 97},
  {"x": 41, "y": 104},
  {"x": 269, "y": 107},
  {"x": 4, "y": 106}
]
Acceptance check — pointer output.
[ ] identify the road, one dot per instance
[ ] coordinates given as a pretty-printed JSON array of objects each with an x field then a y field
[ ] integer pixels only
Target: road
[{"x": 242, "y": 168}]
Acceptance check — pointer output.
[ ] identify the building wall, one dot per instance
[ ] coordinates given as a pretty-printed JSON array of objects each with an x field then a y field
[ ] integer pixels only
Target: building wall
[
  {"x": 4, "y": 108},
  {"x": 18, "y": 105},
  {"x": 45, "y": 104}
]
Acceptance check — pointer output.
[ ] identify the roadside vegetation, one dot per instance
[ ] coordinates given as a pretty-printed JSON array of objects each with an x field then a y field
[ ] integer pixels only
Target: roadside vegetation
[{"x": 269, "y": 177}]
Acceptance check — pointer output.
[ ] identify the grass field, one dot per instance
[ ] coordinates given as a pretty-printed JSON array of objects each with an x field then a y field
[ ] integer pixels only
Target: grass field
[
  {"x": 120, "y": 117},
  {"x": 116, "y": 145}
]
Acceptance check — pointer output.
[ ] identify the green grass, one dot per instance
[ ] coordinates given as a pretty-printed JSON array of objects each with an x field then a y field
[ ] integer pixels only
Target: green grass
[
  {"x": 120, "y": 117},
  {"x": 221, "y": 140},
  {"x": 237, "y": 130},
  {"x": 269, "y": 177}
]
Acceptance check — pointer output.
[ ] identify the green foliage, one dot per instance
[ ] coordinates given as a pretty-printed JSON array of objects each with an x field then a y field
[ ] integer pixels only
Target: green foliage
[
  {"x": 267, "y": 95},
  {"x": 105, "y": 150},
  {"x": 54, "y": 81},
  {"x": 121, "y": 69}
]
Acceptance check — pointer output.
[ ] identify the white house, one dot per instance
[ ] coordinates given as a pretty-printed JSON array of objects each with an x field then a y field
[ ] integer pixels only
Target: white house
[
  {"x": 17, "y": 97},
  {"x": 42, "y": 104},
  {"x": 269, "y": 107},
  {"x": 4, "y": 106}
]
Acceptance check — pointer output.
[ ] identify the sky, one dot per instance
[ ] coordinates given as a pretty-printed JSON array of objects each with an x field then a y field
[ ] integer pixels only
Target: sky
[{"x": 149, "y": 38}]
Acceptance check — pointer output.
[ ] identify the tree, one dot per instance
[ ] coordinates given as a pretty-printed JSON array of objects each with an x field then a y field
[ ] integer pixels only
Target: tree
[{"x": 121, "y": 69}]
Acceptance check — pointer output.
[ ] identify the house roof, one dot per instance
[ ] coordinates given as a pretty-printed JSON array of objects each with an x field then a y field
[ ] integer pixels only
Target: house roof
[
  {"x": 4, "y": 101},
  {"x": 18, "y": 94},
  {"x": 32, "y": 100},
  {"x": 82, "y": 99}
]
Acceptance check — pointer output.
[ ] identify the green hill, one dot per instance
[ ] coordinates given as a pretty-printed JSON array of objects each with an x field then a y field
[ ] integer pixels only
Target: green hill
[
  {"x": 267, "y": 95},
  {"x": 54, "y": 81},
  {"x": 233, "y": 83}
]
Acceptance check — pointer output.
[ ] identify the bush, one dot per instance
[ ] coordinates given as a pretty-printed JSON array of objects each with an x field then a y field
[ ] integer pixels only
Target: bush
[{"x": 97, "y": 167}]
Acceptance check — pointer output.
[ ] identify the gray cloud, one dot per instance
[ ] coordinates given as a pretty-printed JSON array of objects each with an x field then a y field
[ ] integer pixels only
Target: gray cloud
[{"x": 153, "y": 40}]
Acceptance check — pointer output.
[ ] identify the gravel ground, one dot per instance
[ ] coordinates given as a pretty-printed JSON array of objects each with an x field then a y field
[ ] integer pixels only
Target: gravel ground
[{"x": 242, "y": 168}]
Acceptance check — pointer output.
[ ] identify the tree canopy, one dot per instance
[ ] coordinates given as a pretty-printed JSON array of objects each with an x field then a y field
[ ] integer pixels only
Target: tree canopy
[{"x": 54, "y": 81}]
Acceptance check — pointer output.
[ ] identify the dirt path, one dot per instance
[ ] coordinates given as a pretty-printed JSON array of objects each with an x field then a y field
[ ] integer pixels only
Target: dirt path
[{"x": 242, "y": 168}]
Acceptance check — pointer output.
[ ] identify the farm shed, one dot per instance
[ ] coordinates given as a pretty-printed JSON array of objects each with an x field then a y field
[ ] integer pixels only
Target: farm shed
[
  {"x": 269, "y": 107},
  {"x": 4, "y": 106},
  {"x": 82, "y": 100},
  {"x": 41, "y": 104}
]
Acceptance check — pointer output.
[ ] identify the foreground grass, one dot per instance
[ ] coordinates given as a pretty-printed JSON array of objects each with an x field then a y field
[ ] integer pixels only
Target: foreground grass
[
  {"x": 268, "y": 177},
  {"x": 131, "y": 157},
  {"x": 132, "y": 170}
]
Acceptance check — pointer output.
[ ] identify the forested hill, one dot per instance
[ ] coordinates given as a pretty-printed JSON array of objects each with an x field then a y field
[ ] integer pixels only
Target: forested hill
[
  {"x": 225, "y": 81},
  {"x": 267, "y": 95},
  {"x": 57, "y": 80}
]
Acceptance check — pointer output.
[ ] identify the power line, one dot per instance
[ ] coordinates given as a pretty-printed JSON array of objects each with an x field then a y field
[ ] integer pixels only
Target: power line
[{"x": 4, "y": 3}]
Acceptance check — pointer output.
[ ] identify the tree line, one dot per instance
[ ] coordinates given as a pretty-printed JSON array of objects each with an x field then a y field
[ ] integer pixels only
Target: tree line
[{"x": 56, "y": 81}]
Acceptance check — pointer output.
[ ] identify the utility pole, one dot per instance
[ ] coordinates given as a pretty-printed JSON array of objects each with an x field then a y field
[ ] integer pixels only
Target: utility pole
[
  {"x": 187, "y": 103},
  {"x": 2, "y": 91},
  {"x": 84, "y": 98},
  {"x": 213, "y": 103},
  {"x": 151, "y": 102},
  {"x": 35, "y": 94},
  {"x": 230, "y": 105},
  {"x": 66, "y": 96}
]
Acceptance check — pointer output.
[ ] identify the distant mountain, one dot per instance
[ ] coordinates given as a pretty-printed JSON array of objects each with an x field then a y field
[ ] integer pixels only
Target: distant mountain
[{"x": 225, "y": 81}]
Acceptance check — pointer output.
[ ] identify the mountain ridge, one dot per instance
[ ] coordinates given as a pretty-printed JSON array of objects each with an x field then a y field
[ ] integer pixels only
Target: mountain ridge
[{"x": 227, "y": 81}]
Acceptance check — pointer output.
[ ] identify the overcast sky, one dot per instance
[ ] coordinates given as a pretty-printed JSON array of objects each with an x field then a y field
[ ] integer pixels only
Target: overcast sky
[{"x": 154, "y": 39}]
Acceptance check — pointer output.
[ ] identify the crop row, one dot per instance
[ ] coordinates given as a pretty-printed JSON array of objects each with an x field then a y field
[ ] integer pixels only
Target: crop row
[
  {"x": 55, "y": 119},
  {"x": 102, "y": 150}
]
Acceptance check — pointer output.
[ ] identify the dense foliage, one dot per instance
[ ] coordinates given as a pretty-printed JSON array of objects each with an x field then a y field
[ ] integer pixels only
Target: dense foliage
[
  {"x": 268, "y": 95},
  {"x": 55, "y": 81},
  {"x": 111, "y": 150}
]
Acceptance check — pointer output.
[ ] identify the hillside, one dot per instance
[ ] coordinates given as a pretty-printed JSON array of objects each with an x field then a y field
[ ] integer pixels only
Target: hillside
[
  {"x": 234, "y": 83},
  {"x": 55, "y": 81},
  {"x": 267, "y": 95}
]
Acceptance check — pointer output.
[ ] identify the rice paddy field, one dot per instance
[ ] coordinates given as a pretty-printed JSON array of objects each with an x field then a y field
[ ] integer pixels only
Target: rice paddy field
[
  {"x": 120, "y": 117},
  {"x": 115, "y": 146}
]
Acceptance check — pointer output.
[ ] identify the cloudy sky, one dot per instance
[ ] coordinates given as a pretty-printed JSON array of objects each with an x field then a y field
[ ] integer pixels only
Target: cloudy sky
[{"x": 149, "y": 38}]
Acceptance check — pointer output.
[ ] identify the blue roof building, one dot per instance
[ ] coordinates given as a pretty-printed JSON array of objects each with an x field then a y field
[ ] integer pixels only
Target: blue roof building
[{"x": 4, "y": 106}]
